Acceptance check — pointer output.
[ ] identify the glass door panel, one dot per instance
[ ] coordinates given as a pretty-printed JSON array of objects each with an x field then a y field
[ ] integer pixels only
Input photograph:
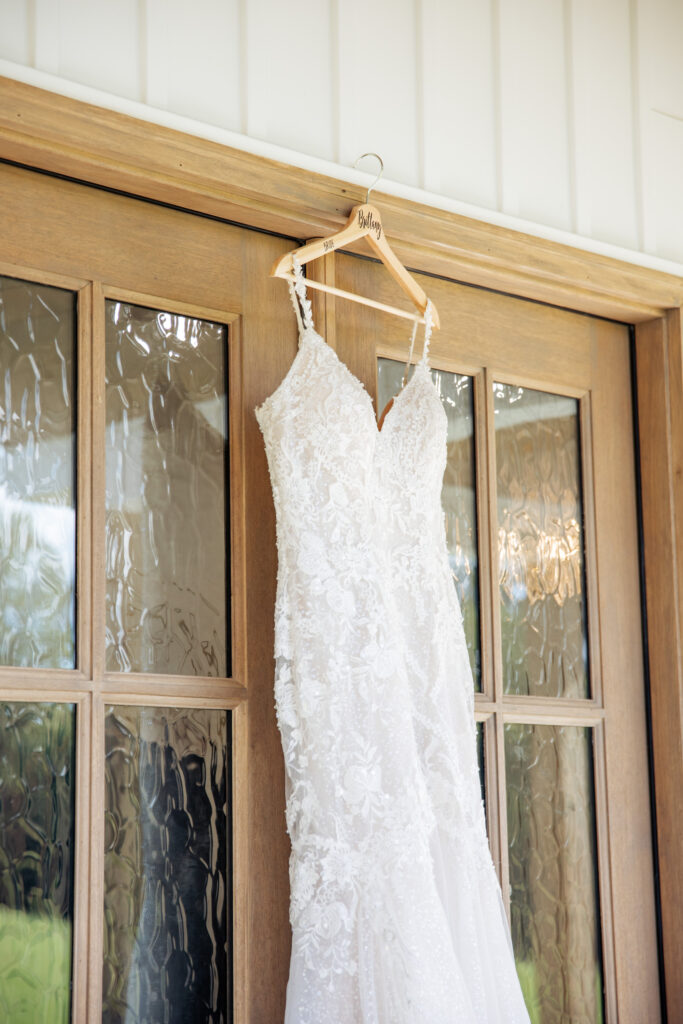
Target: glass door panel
[
  {"x": 553, "y": 871},
  {"x": 167, "y": 903},
  {"x": 166, "y": 493},
  {"x": 541, "y": 543},
  {"x": 37, "y": 797},
  {"x": 37, "y": 475}
]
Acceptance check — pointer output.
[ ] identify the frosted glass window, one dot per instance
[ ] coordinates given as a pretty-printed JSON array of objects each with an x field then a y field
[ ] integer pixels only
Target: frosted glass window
[
  {"x": 541, "y": 543},
  {"x": 36, "y": 861},
  {"x": 553, "y": 871},
  {"x": 166, "y": 493},
  {"x": 37, "y": 471},
  {"x": 167, "y": 905}
]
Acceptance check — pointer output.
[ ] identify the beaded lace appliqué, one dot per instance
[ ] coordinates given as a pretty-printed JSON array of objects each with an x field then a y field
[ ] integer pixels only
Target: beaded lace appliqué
[{"x": 391, "y": 876}]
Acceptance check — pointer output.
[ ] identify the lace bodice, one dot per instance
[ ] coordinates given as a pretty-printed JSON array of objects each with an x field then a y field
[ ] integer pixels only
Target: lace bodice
[{"x": 374, "y": 698}]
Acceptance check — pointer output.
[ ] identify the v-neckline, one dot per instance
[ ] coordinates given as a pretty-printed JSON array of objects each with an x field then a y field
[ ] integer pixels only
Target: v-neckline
[{"x": 312, "y": 333}]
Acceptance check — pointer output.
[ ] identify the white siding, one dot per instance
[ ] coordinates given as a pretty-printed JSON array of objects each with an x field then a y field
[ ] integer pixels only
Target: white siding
[
  {"x": 288, "y": 75},
  {"x": 567, "y": 114},
  {"x": 192, "y": 59},
  {"x": 605, "y": 159},
  {"x": 94, "y": 42},
  {"x": 378, "y": 94},
  {"x": 460, "y": 101},
  {"x": 536, "y": 178},
  {"x": 660, "y": 72},
  {"x": 16, "y": 31}
]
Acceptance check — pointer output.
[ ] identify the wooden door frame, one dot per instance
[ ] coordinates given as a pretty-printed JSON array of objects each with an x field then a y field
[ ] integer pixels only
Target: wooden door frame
[{"x": 52, "y": 133}]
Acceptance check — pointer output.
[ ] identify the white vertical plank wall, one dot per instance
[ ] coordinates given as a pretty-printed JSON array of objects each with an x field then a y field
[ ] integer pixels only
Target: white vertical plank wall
[
  {"x": 660, "y": 27},
  {"x": 289, "y": 79},
  {"x": 16, "y": 31},
  {"x": 97, "y": 43},
  {"x": 195, "y": 73},
  {"x": 461, "y": 109},
  {"x": 535, "y": 123},
  {"x": 379, "y": 85},
  {"x": 567, "y": 114},
  {"x": 606, "y": 167}
]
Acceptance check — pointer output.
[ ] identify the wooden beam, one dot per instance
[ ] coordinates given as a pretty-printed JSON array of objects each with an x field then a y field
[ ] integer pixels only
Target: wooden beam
[{"x": 64, "y": 136}]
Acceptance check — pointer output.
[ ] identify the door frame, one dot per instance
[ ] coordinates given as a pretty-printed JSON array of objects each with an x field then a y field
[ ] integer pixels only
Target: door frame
[{"x": 51, "y": 133}]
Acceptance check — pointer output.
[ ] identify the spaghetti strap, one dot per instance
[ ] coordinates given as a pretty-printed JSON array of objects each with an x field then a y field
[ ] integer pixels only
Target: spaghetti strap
[
  {"x": 297, "y": 293},
  {"x": 429, "y": 321}
]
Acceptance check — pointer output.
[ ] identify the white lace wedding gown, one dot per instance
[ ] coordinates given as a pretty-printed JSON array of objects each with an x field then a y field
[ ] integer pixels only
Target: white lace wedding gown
[{"x": 396, "y": 912}]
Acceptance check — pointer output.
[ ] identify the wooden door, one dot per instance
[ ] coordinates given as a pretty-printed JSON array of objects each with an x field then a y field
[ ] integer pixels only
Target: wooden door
[
  {"x": 143, "y": 847},
  {"x": 139, "y": 706},
  {"x": 541, "y": 511}
]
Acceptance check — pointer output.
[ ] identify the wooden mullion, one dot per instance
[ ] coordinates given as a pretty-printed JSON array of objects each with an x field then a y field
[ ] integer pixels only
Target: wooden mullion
[
  {"x": 98, "y": 483},
  {"x": 501, "y": 789},
  {"x": 169, "y": 304},
  {"x": 603, "y": 870},
  {"x": 97, "y": 642},
  {"x": 491, "y": 538},
  {"x": 37, "y": 275},
  {"x": 237, "y": 511},
  {"x": 482, "y": 455},
  {"x": 166, "y": 697},
  {"x": 240, "y": 860},
  {"x": 590, "y": 551},
  {"x": 554, "y": 716},
  {"x": 29, "y": 694},
  {"x": 538, "y": 709},
  {"x": 489, "y": 723},
  {"x": 96, "y": 863},
  {"x": 527, "y": 380},
  {"x": 82, "y": 839},
  {"x": 83, "y": 491},
  {"x": 43, "y": 680}
]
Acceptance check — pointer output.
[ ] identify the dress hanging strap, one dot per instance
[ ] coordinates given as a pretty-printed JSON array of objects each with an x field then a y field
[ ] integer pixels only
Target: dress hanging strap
[
  {"x": 297, "y": 293},
  {"x": 410, "y": 356},
  {"x": 429, "y": 322}
]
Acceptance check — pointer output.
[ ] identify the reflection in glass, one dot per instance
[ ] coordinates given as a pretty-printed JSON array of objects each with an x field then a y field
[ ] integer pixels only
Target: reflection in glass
[
  {"x": 167, "y": 882},
  {"x": 36, "y": 861},
  {"x": 553, "y": 871},
  {"x": 540, "y": 531},
  {"x": 480, "y": 760},
  {"x": 458, "y": 496},
  {"x": 166, "y": 554},
  {"x": 37, "y": 463}
]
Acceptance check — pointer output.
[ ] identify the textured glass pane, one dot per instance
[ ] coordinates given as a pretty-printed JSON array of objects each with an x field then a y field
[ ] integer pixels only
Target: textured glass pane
[
  {"x": 540, "y": 531},
  {"x": 37, "y": 462},
  {"x": 166, "y": 493},
  {"x": 36, "y": 861},
  {"x": 458, "y": 495},
  {"x": 553, "y": 872},
  {"x": 167, "y": 882},
  {"x": 480, "y": 759}
]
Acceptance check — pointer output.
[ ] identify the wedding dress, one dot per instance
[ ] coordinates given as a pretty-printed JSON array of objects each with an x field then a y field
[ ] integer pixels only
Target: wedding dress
[{"x": 396, "y": 911}]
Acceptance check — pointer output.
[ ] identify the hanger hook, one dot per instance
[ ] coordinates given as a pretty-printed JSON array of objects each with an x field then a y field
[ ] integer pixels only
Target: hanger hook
[{"x": 381, "y": 171}]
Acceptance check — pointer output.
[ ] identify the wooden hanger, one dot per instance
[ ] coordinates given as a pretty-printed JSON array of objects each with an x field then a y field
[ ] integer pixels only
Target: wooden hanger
[{"x": 364, "y": 221}]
